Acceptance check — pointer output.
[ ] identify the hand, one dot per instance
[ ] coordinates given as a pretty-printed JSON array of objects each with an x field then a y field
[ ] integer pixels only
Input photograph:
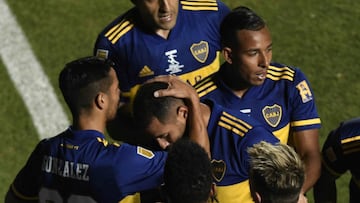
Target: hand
[
  {"x": 302, "y": 198},
  {"x": 177, "y": 88}
]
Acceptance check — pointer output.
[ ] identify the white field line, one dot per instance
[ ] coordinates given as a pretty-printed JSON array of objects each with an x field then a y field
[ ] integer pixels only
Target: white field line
[{"x": 28, "y": 77}]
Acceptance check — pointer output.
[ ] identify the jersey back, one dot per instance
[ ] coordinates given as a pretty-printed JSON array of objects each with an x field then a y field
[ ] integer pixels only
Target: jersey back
[{"x": 81, "y": 166}]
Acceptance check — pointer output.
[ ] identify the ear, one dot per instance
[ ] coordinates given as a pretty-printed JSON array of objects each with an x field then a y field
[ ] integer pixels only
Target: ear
[
  {"x": 182, "y": 111},
  {"x": 100, "y": 100},
  {"x": 227, "y": 54}
]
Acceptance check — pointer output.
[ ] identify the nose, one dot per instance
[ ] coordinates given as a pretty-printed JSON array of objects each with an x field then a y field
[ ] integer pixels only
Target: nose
[
  {"x": 164, "y": 5},
  {"x": 265, "y": 59},
  {"x": 163, "y": 143}
]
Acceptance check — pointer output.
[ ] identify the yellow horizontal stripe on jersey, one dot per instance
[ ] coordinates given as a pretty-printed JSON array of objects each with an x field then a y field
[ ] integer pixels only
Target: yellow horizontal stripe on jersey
[
  {"x": 234, "y": 124},
  {"x": 238, "y": 120},
  {"x": 351, "y": 139},
  {"x": 202, "y": 8},
  {"x": 202, "y": 82},
  {"x": 210, "y": 89},
  {"x": 235, "y": 193},
  {"x": 279, "y": 78},
  {"x": 204, "y": 85},
  {"x": 116, "y": 29},
  {"x": 281, "y": 69},
  {"x": 112, "y": 30},
  {"x": 21, "y": 196},
  {"x": 231, "y": 128},
  {"x": 306, "y": 122},
  {"x": 199, "y": 3},
  {"x": 277, "y": 73},
  {"x": 122, "y": 33}
]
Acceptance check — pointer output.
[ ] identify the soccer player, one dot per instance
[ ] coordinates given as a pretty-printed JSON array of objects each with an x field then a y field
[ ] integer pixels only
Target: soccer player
[
  {"x": 187, "y": 174},
  {"x": 278, "y": 96},
  {"x": 340, "y": 153},
  {"x": 79, "y": 165},
  {"x": 161, "y": 37},
  {"x": 167, "y": 117},
  {"x": 276, "y": 173}
]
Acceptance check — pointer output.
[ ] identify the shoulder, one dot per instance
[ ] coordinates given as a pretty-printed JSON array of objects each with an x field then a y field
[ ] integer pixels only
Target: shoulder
[
  {"x": 281, "y": 72},
  {"x": 232, "y": 120},
  {"x": 136, "y": 154},
  {"x": 201, "y": 5},
  {"x": 120, "y": 26},
  {"x": 206, "y": 85}
]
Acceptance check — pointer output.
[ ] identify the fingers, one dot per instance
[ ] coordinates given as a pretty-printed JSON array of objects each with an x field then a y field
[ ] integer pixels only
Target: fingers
[{"x": 161, "y": 78}]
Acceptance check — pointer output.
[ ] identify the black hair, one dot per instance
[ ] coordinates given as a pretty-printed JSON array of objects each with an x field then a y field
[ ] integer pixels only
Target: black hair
[
  {"x": 187, "y": 173},
  {"x": 82, "y": 79},
  {"x": 146, "y": 106},
  {"x": 240, "y": 18}
]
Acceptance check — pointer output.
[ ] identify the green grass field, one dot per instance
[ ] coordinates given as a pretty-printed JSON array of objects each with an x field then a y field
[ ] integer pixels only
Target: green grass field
[{"x": 320, "y": 37}]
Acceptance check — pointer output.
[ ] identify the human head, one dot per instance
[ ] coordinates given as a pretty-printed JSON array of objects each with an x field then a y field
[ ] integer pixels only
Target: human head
[
  {"x": 187, "y": 173},
  {"x": 276, "y": 173},
  {"x": 164, "y": 118},
  {"x": 247, "y": 47},
  {"x": 158, "y": 14},
  {"x": 90, "y": 82}
]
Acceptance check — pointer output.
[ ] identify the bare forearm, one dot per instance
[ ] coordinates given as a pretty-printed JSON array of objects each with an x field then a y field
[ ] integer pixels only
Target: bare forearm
[
  {"x": 312, "y": 171},
  {"x": 197, "y": 126}
]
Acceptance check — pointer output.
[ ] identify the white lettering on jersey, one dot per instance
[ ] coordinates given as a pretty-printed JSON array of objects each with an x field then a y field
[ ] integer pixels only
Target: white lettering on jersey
[
  {"x": 65, "y": 168},
  {"x": 174, "y": 65}
]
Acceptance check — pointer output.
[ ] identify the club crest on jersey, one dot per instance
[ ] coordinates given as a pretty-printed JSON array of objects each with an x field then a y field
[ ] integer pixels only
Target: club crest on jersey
[
  {"x": 304, "y": 91},
  {"x": 272, "y": 114},
  {"x": 200, "y": 51},
  {"x": 219, "y": 168}
]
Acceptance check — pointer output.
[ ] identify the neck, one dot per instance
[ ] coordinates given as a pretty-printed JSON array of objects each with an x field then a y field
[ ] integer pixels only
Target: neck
[
  {"x": 89, "y": 123},
  {"x": 206, "y": 113},
  {"x": 163, "y": 33},
  {"x": 233, "y": 80}
]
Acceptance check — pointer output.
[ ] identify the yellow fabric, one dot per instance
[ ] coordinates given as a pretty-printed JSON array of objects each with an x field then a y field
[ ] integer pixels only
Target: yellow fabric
[
  {"x": 237, "y": 193},
  {"x": 131, "y": 199}
]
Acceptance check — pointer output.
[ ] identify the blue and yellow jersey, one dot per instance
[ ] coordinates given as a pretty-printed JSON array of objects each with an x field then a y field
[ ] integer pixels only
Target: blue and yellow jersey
[
  {"x": 82, "y": 166},
  {"x": 230, "y": 134},
  {"x": 191, "y": 50},
  {"x": 341, "y": 150},
  {"x": 284, "y": 102}
]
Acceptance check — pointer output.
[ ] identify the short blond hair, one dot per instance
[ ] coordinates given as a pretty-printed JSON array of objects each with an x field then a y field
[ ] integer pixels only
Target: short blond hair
[{"x": 276, "y": 172}]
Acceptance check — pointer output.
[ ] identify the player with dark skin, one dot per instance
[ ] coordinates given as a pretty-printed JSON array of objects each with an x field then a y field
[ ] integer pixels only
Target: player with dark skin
[{"x": 247, "y": 51}]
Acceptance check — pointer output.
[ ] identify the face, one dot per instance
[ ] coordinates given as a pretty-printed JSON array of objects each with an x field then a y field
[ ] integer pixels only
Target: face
[
  {"x": 114, "y": 96},
  {"x": 166, "y": 134},
  {"x": 251, "y": 57},
  {"x": 158, "y": 14}
]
